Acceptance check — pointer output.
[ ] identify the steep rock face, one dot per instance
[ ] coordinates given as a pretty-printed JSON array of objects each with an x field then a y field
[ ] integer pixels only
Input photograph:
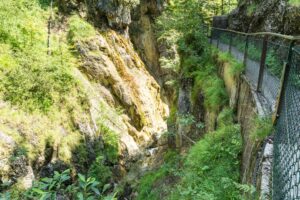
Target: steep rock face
[
  {"x": 267, "y": 15},
  {"x": 116, "y": 13},
  {"x": 120, "y": 75},
  {"x": 143, "y": 34}
]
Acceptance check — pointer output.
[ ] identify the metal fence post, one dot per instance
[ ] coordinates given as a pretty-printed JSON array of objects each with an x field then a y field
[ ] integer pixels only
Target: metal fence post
[
  {"x": 246, "y": 50},
  {"x": 283, "y": 83},
  {"x": 262, "y": 64},
  {"x": 230, "y": 42}
]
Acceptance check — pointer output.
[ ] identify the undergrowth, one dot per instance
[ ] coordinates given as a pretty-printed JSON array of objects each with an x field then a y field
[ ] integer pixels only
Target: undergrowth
[
  {"x": 236, "y": 67},
  {"x": 262, "y": 127},
  {"x": 30, "y": 78},
  {"x": 210, "y": 170}
]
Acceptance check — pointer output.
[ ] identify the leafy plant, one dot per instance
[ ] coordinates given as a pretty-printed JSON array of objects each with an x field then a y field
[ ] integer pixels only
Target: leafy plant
[
  {"x": 60, "y": 185},
  {"x": 49, "y": 188},
  {"x": 186, "y": 120},
  {"x": 87, "y": 188}
]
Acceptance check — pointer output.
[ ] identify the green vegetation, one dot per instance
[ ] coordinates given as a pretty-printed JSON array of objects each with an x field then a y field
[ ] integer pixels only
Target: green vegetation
[
  {"x": 38, "y": 81},
  {"x": 262, "y": 128},
  {"x": 155, "y": 185},
  {"x": 60, "y": 185},
  {"x": 236, "y": 67},
  {"x": 178, "y": 26},
  {"x": 210, "y": 170},
  {"x": 294, "y": 2},
  {"x": 251, "y": 9},
  {"x": 29, "y": 77},
  {"x": 111, "y": 142},
  {"x": 207, "y": 81},
  {"x": 100, "y": 171},
  {"x": 273, "y": 63},
  {"x": 79, "y": 29}
]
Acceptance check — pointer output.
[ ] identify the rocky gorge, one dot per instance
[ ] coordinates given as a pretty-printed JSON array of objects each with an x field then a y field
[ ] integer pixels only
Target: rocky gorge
[{"x": 122, "y": 92}]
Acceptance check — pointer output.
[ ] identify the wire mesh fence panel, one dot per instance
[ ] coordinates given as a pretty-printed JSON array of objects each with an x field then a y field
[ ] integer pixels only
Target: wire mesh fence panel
[
  {"x": 238, "y": 46},
  {"x": 224, "y": 41},
  {"x": 286, "y": 166},
  {"x": 253, "y": 60},
  {"x": 277, "y": 53}
]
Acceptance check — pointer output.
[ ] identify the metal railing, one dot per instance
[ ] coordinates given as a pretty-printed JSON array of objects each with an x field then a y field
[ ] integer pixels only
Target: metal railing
[{"x": 272, "y": 66}]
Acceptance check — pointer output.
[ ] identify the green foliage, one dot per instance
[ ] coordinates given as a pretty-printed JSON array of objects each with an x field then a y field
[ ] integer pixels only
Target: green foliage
[
  {"x": 294, "y": 2},
  {"x": 49, "y": 188},
  {"x": 111, "y": 141},
  {"x": 262, "y": 127},
  {"x": 225, "y": 117},
  {"x": 79, "y": 29},
  {"x": 60, "y": 185},
  {"x": 236, "y": 68},
  {"x": 29, "y": 77},
  {"x": 100, "y": 171},
  {"x": 151, "y": 186},
  {"x": 147, "y": 183},
  {"x": 186, "y": 120},
  {"x": 211, "y": 169},
  {"x": 251, "y": 9},
  {"x": 179, "y": 26},
  {"x": 212, "y": 86},
  {"x": 273, "y": 63},
  {"x": 87, "y": 188},
  {"x": 253, "y": 52}
]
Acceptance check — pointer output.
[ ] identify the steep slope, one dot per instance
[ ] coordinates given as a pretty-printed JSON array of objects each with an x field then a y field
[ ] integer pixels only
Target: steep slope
[{"x": 112, "y": 107}]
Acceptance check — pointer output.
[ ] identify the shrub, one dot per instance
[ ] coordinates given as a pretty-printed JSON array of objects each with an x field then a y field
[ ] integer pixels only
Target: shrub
[
  {"x": 211, "y": 169},
  {"x": 111, "y": 142},
  {"x": 79, "y": 29},
  {"x": 212, "y": 86},
  {"x": 263, "y": 127},
  {"x": 153, "y": 185},
  {"x": 101, "y": 172}
]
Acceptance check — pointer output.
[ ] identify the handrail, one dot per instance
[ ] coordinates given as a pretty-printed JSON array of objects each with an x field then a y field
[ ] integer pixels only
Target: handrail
[{"x": 287, "y": 37}]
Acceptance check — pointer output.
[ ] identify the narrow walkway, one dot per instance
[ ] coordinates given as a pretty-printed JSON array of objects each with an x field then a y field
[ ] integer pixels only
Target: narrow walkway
[{"x": 270, "y": 85}]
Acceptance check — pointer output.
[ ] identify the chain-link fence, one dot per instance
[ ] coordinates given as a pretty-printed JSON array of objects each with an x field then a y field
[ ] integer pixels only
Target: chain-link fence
[
  {"x": 286, "y": 167},
  {"x": 272, "y": 66}
]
